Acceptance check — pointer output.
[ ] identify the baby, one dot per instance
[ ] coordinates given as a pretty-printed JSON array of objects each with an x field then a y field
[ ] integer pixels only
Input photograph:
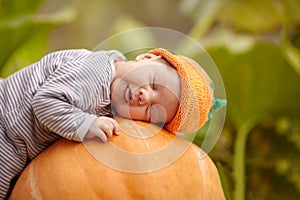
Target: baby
[{"x": 74, "y": 93}]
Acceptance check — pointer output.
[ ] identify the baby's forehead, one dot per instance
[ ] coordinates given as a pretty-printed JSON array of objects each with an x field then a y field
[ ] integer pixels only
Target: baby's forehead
[{"x": 162, "y": 61}]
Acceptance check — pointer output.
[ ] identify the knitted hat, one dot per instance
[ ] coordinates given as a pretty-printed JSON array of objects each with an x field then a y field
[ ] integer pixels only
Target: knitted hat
[{"x": 196, "y": 95}]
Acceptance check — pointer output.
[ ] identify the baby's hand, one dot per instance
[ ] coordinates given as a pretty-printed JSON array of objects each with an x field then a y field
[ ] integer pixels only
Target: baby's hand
[{"x": 104, "y": 128}]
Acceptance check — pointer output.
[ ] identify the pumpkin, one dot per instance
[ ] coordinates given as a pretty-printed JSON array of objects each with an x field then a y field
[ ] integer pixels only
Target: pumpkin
[{"x": 143, "y": 162}]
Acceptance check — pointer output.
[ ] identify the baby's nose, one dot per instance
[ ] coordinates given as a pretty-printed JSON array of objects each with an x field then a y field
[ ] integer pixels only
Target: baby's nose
[{"x": 146, "y": 95}]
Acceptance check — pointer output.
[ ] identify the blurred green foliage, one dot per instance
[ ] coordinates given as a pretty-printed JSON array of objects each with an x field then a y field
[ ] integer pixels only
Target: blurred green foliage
[
  {"x": 255, "y": 44},
  {"x": 24, "y": 32}
]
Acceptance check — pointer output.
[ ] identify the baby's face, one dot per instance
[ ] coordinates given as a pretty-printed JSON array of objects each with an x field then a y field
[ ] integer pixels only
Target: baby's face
[{"x": 146, "y": 89}]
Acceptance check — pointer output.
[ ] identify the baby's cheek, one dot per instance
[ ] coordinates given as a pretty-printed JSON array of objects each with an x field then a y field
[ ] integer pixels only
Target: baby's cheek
[
  {"x": 121, "y": 110},
  {"x": 158, "y": 114}
]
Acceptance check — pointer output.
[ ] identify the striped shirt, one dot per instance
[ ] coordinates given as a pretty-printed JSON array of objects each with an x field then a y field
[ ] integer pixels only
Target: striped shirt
[{"x": 58, "y": 96}]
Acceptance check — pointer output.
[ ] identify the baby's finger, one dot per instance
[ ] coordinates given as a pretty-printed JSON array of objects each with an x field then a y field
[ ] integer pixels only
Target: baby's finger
[
  {"x": 116, "y": 128},
  {"x": 102, "y": 135},
  {"x": 108, "y": 128}
]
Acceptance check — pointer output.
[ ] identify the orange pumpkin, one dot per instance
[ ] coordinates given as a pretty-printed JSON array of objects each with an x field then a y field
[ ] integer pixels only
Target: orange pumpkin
[{"x": 143, "y": 162}]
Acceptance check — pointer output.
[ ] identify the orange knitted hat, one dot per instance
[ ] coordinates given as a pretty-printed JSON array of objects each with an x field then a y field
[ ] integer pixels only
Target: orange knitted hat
[{"x": 196, "y": 95}]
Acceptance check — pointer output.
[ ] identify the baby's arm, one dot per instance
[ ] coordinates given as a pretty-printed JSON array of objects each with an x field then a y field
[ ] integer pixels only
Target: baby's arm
[
  {"x": 61, "y": 105},
  {"x": 72, "y": 123}
]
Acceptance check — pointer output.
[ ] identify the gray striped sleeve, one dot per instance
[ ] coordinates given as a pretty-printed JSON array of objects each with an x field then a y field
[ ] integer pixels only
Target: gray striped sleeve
[
  {"x": 63, "y": 103},
  {"x": 58, "y": 95}
]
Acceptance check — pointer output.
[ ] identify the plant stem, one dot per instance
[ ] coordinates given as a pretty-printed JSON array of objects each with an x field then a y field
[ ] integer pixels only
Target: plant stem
[
  {"x": 223, "y": 181},
  {"x": 209, "y": 11},
  {"x": 239, "y": 164}
]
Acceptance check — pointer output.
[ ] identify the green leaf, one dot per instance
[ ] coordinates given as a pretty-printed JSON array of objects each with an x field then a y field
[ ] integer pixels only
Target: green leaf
[
  {"x": 233, "y": 42},
  {"x": 254, "y": 16},
  {"x": 258, "y": 82},
  {"x": 18, "y": 8},
  {"x": 292, "y": 55},
  {"x": 16, "y": 32},
  {"x": 30, "y": 51}
]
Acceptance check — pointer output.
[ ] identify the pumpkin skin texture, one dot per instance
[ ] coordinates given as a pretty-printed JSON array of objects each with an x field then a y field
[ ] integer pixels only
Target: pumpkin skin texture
[{"x": 67, "y": 170}]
